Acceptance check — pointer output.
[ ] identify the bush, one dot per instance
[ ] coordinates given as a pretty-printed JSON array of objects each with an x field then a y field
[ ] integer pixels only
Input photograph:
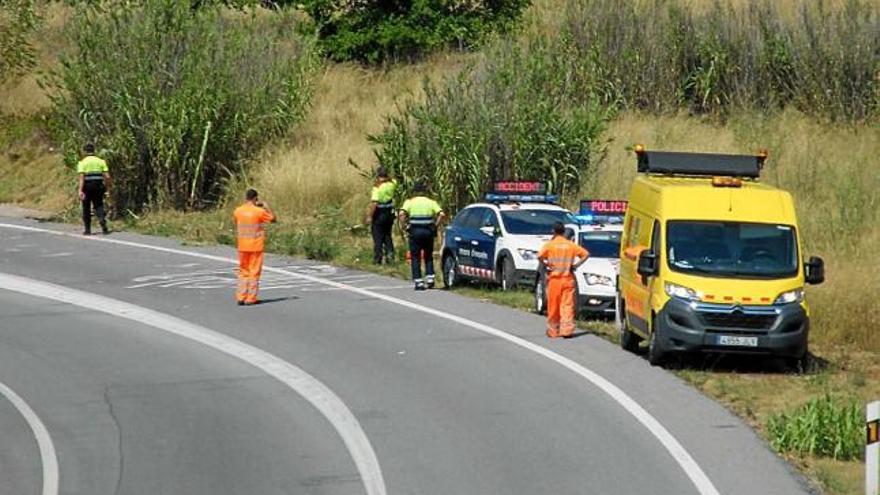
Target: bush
[
  {"x": 513, "y": 116},
  {"x": 820, "y": 59},
  {"x": 18, "y": 18},
  {"x": 178, "y": 98},
  {"x": 373, "y": 32},
  {"x": 318, "y": 246},
  {"x": 826, "y": 426}
]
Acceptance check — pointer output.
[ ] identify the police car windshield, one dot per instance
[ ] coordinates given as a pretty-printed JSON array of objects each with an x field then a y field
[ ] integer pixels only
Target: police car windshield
[
  {"x": 601, "y": 244},
  {"x": 534, "y": 222},
  {"x": 731, "y": 249}
]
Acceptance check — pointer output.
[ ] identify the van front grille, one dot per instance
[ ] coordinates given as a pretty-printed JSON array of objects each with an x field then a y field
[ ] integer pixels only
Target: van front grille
[{"x": 738, "y": 319}]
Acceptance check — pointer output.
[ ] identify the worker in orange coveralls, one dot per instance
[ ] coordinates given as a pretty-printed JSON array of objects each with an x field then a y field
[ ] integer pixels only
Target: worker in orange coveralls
[
  {"x": 249, "y": 219},
  {"x": 558, "y": 255}
]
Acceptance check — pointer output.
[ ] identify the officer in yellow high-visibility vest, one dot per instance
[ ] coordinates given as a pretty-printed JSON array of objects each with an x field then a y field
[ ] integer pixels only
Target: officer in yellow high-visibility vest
[
  {"x": 380, "y": 215},
  {"x": 419, "y": 217},
  {"x": 94, "y": 179}
]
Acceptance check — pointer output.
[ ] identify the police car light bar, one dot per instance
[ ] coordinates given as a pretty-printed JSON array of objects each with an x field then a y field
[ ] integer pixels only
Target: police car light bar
[
  {"x": 521, "y": 198},
  {"x": 601, "y": 211},
  {"x": 513, "y": 191},
  {"x": 669, "y": 162}
]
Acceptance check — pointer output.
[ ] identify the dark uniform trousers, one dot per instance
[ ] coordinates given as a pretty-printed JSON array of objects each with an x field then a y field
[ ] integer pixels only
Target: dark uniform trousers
[
  {"x": 94, "y": 191},
  {"x": 421, "y": 238},
  {"x": 383, "y": 244}
]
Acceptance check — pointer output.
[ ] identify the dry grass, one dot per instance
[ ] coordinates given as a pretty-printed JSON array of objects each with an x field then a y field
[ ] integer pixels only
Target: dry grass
[
  {"x": 23, "y": 96},
  {"x": 312, "y": 169}
]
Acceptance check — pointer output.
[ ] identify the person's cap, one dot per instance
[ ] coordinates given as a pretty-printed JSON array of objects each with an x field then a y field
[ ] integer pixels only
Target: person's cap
[
  {"x": 420, "y": 187},
  {"x": 89, "y": 147},
  {"x": 382, "y": 172}
]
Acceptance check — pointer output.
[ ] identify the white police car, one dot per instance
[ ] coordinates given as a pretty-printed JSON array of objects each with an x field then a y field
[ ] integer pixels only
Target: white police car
[
  {"x": 498, "y": 240},
  {"x": 601, "y": 226}
]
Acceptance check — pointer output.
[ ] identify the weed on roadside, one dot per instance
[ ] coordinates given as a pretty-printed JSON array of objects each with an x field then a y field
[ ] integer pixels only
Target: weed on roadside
[{"x": 828, "y": 426}]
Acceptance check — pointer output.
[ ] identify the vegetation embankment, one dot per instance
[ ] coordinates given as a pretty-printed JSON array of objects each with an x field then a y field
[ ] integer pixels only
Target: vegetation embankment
[{"x": 562, "y": 97}]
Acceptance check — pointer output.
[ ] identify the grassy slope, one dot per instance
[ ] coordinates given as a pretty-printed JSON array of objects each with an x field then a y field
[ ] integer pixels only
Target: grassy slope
[{"x": 309, "y": 181}]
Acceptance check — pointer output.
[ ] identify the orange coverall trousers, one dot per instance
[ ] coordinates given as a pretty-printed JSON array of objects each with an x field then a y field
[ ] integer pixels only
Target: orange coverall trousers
[
  {"x": 250, "y": 267},
  {"x": 560, "y": 306}
]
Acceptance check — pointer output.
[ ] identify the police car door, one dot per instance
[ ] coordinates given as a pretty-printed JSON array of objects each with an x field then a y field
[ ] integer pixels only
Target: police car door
[
  {"x": 459, "y": 237},
  {"x": 483, "y": 245}
]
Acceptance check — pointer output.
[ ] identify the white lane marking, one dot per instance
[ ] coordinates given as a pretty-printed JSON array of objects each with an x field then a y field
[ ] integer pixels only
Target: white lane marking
[
  {"x": 681, "y": 456},
  {"x": 48, "y": 457},
  {"x": 304, "y": 384}
]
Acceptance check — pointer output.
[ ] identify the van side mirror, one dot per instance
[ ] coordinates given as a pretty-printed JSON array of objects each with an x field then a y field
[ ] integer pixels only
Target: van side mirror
[
  {"x": 488, "y": 230},
  {"x": 648, "y": 266},
  {"x": 814, "y": 270}
]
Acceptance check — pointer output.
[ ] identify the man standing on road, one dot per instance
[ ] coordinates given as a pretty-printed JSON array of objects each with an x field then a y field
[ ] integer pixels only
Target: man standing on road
[
  {"x": 558, "y": 255},
  {"x": 419, "y": 218},
  {"x": 94, "y": 178},
  {"x": 380, "y": 215},
  {"x": 249, "y": 219}
]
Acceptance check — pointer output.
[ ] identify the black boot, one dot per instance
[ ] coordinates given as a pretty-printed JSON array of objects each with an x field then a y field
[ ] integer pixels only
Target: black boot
[{"x": 104, "y": 228}]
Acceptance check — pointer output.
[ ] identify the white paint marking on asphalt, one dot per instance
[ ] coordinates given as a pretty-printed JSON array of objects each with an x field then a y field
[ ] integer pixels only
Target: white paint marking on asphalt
[
  {"x": 681, "y": 456},
  {"x": 56, "y": 255},
  {"x": 48, "y": 458},
  {"x": 304, "y": 384}
]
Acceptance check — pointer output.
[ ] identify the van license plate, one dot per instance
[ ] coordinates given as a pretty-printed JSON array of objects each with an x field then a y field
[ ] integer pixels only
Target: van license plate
[{"x": 738, "y": 341}]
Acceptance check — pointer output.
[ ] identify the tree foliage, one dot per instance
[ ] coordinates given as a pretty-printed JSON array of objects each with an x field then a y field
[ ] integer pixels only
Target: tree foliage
[
  {"x": 18, "y": 18},
  {"x": 376, "y": 31},
  {"x": 178, "y": 98},
  {"x": 513, "y": 116}
]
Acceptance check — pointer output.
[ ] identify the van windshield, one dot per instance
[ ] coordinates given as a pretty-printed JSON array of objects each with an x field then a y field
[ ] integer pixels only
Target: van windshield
[{"x": 730, "y": 249}]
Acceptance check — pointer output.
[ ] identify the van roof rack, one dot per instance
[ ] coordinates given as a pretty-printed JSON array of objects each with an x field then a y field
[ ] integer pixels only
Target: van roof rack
[{"x": 704, "y": 164}]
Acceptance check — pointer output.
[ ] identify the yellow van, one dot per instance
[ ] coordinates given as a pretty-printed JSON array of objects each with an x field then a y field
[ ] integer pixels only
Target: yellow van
[{"x": 711, "y": 260}]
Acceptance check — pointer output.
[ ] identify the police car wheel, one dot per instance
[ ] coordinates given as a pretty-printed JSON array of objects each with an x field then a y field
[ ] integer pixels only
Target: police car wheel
[
  {"x": 450, "y": 272},
  {"x": 507, "y": 274},
  {"x": 541, "y": 296}
]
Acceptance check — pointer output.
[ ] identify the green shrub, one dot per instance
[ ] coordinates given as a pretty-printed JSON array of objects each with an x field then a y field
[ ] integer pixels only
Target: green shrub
[
  {"x": 374, "y": 32},
  {"x": 822, "y": 60},
  {"x": 178, "y": 98},
  {"x": 513, "y": 116},
  {"x": 318, "y": 246},
  {"x": 18, "y": 18},
  {"x": 827, "y": 426}
]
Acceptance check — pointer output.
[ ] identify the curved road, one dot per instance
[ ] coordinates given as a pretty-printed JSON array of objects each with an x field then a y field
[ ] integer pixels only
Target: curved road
[{"x": 447, "y": 408}]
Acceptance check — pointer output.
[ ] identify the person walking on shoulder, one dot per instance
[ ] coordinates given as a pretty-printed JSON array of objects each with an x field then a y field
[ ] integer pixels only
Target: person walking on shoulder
[
  {"x": 94, "y": 179},
  {"x": 249, "y": 220},
  {"x": 419, "y": 217},
  {"x": 380, "y": 216}
]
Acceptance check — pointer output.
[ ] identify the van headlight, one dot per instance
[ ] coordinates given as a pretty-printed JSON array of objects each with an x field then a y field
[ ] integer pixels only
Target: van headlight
[
  {"x": 792, "y": 296},
  {"x": 528, "y": 254},
  {"x": 682, "y": 292},
  {"x": 597, "y": 279}
]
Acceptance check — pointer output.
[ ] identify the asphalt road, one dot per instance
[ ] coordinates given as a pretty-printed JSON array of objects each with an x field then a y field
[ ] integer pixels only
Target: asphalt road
[{"x": 454, "y": 396}]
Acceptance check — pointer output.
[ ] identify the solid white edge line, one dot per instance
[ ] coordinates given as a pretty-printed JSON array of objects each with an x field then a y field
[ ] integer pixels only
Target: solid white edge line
[
  {"x": 48, "y": 457},
  {"x": 304, "y": 384},
  {"x": 681, "y": 456}
]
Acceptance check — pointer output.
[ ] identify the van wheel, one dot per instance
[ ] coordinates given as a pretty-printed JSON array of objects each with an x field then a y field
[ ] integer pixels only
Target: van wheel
[
  {"x": 656, "y": 353},
  {"x": 629, "y": 341},
  {"x": 507, "y": 274}
]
